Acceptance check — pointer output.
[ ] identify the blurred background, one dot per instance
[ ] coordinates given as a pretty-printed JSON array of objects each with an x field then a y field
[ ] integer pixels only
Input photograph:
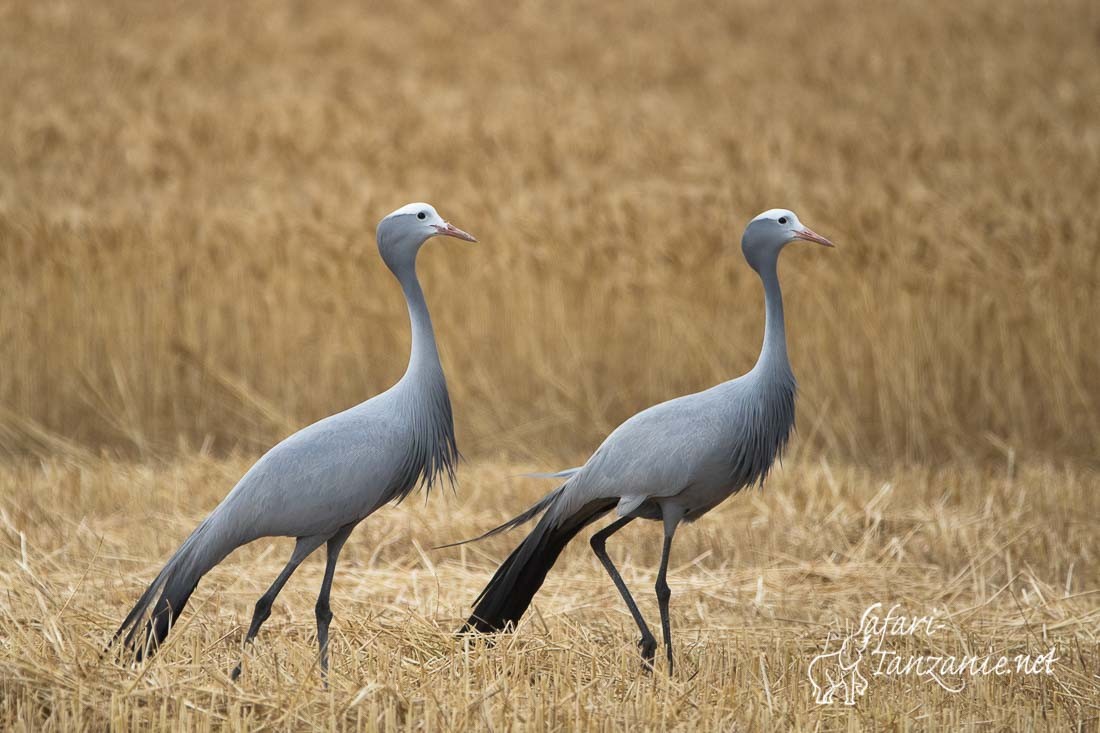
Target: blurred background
[{"x": 189, "y": 192}]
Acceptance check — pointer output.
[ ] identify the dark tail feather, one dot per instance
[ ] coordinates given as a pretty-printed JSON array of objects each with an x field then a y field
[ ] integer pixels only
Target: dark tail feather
[
  {"x": 538, "y": 508},
  {"x": 148, "y": 623},
  {"x": 516, "y": 581}
]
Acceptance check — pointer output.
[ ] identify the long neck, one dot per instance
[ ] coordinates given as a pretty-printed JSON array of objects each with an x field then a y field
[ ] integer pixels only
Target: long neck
[
  {"x": 773, "y": 354},
  {"x": 433, "y": 454},
  {"x": 423, "y": 356}
]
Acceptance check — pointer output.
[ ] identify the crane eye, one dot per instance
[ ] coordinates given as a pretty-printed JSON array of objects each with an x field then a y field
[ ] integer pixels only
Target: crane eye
[
  {"x": 422, "y": 215},
  {"x": 782, "y": 220}
]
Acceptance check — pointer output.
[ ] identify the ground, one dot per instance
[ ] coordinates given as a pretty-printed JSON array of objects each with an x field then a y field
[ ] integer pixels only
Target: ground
[{"x": 1005, "y": 560}]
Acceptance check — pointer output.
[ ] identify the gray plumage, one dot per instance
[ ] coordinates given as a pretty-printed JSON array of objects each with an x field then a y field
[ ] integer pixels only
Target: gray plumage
[
  {"x": 320, "y": 482},
  {"x": 672, "y": 462}
]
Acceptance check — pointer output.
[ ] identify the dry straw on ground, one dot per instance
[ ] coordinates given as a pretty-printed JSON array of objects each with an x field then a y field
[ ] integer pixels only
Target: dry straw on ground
[
  {"x": 1009, "y": 560},
  {"x": 187, "y": 271}
]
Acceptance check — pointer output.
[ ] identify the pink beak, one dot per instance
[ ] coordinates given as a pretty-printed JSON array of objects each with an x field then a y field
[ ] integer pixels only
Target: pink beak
[
  {"x": 811, "y": 236},
  {"x": 449, "y": 230}
]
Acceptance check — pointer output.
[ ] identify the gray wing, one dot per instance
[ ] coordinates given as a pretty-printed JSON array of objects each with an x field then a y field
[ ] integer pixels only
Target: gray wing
[
  {"x": 659, "y": 452},
  {"x": 319, "y": 479}
]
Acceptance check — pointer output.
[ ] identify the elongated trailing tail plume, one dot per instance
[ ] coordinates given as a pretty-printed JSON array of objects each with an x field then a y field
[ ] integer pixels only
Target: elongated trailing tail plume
[
  {"x": 536, "y": 509},
  {"x": 505, "y": 599},
  {"x": 152, "y": 617}
]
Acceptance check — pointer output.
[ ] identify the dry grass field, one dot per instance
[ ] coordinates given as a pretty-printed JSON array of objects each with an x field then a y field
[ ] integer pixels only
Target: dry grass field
[
  {"x": 1009, "y": 559},
  {"x": 188, "y": 194}
]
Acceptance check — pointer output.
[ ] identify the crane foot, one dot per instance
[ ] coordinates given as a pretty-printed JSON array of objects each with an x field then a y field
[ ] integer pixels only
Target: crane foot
[{"x": 647, "y": 645}]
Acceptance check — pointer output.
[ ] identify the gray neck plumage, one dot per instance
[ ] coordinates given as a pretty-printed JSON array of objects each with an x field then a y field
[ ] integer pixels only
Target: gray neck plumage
[
  {"x": 773, "y": 361},
  {"x": 771, "y": 415},
  {"x": 434, "y": 453},
  {"x": 424, "y": 356}
]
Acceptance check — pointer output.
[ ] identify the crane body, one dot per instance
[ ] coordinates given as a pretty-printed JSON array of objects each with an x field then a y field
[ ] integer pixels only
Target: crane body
[
  {"x": 323, "y": 480},
  {"x": 672, "y": 462}
]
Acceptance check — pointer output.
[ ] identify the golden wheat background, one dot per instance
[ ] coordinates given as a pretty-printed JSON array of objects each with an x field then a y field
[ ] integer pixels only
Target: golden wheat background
[
  {"x": 188, "y": 193},
  {"x": 202, "y": 180}
]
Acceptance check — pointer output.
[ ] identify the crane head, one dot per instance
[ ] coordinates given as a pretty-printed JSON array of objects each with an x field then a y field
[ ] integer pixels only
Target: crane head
[
  {"x": 769, "y": 232},
  {"x": 402, "y": 232}
]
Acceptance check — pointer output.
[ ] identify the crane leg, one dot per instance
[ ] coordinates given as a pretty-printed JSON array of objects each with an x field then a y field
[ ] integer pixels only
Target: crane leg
[
  {"x": 664, "y": 593},
  {"x": 302, "y": 549},
  {"x": 647, "y": 644},
  {"x": 324, "y": 613}
]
